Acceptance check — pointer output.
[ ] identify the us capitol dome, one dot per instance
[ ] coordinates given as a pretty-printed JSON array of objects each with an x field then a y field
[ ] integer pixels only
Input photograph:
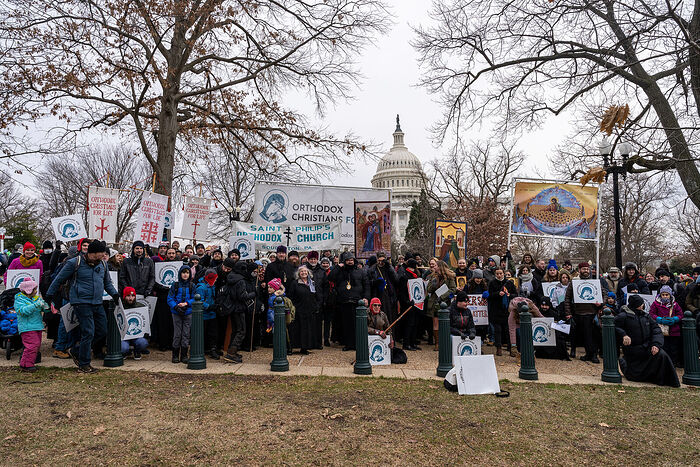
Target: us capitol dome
[{"x": 400, "y": 171}]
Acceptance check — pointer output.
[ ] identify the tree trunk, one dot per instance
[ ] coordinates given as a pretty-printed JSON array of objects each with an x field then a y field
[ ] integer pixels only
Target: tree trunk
[{"x": 167, "y": 138}]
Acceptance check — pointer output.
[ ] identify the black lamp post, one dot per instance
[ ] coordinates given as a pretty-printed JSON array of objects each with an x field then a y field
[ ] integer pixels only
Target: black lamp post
[{"x": 610, "y": 166}]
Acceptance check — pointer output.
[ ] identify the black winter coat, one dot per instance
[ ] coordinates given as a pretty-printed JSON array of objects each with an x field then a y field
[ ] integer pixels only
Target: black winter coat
[
  {"x": 643, "y": 331},
  {"x": 461, "y": 321},
  {"x": 341, "y": 276},
  {"x": 320, "y": 278},
  {"x": 139, "y": 273},
  {"x": 282, "y": 270},
  {"x": 238, "y": 292},
  {"x": 497, "y": 306}
]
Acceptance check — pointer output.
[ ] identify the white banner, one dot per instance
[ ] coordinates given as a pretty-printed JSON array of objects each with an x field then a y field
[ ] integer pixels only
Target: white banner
[
  {"x": 114, "y": 275},
  {"x": 166, "y": 272},
  {"x": 70, "y": 321},
  {"x": 542, "y": 333},
  {"x": 587, "y": 291},
  {"x": 379, "y": 351},
  {"x": 195, "y": 221},
  {"x": 68, "y": 228},
  {"x": 416, "y": 292},
  {"x": 465, "y": 347},
  {"x": 151, "y": 221},
  {"x": 244, "y": 245},
  {"x": 120, "y": 318},
  {"x": 16, "y": 276},
  {"x": 102, "y": 213},
  {"x": 138, "y": 322},
  {"x": 480, "y": 310},
  {"x": 294, "y": 237},
  {"x": 309, "y": 204}
]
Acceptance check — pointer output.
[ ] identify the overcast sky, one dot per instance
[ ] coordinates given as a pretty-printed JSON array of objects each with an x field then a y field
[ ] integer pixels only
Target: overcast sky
[{"x": 390, "y": 87}]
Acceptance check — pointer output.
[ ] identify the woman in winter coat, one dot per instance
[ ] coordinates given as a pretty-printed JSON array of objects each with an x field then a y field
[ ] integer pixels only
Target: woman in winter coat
[
  {"x": 303, "y": 296},
  {"x": 440, "y": 274},
  {"x": 530, "y": 286},
  {"x": 477, "y": 285},
  {"x": 668, "y": 315},
  {"x": 549, "y": 311},
  {"x": 514, "y": 319},
  {"x": 28, "y": 260},
  {"x": 500, "y": 291},
  {"x": 461, "y": 319}
]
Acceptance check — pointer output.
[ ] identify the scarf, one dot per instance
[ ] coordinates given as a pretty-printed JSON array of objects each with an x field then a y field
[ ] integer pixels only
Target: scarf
[{"x": 27, "y": 263}]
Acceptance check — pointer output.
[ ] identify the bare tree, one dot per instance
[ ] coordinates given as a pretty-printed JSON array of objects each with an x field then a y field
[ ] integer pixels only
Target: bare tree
[
  {"x": 172, "y": 70},
  {"x": 521, "y": 61},
  {"x": 20, "y": 214},
  {"x": 65, "y": 182}
]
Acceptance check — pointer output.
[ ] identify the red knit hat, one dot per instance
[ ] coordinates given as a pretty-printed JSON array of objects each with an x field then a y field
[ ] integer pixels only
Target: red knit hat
[
  {"x": 128, "y": 291},
  {"x": 29, "y": 246},
  {"x": 583, "y": 264}
]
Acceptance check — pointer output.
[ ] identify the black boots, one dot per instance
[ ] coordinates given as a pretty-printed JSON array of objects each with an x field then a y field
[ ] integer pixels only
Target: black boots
[
  {"x": 176, "y": 356},
  {"x": 183, "y": 355},
  {"x": 232, "y": 356},
  {"x": 213, "y": 354}
]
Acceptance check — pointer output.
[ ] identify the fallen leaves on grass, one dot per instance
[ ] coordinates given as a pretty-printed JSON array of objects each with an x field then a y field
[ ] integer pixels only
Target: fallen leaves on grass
[
  {"x": 7, "y": 438},
  {"x": 69, "y": 414},
  {"x": 326, "y": 414},
  {"x": 604, "y": 425},
  {"x": 98, "y": 431}
]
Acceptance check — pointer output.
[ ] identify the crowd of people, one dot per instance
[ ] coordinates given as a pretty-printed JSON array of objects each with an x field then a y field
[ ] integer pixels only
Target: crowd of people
[{"x": 320, "y": 291}]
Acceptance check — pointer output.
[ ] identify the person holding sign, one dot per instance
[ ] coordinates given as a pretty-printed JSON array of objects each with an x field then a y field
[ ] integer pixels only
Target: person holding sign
[
  {"x": 642, "y": 346},
  {"x": 140, "y": 343},
  {"x": 499, "y": 294},
  {"x": 377, "y": 321},
  {"x": 461, "y": 319},
  {"x": 441, "y": 286},
  {"x": 406, "y": 305},
  {"x": 180, "y": 300},
  {"x": 668, "y": 315},
  {"x": 584, "y": 314},
  {"x": 29, "y": 307},
  {"x": 28, "y": 260}
]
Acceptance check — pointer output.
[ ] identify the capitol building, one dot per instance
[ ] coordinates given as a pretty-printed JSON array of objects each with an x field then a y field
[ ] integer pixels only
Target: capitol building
[{"x": 401, "y": 172}]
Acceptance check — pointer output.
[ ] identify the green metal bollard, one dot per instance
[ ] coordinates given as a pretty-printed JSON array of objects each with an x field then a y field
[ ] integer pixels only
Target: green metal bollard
[
  {"x": 197, "y": 360},
  {"x": 114, "y": 357},
  {"x": 691, "y": 371},
  {"x": 279, "y": 339},
  {"x": 610, "y": 374},
  {"x": 444, "y": 341},
  {"x": 527, "y": 349},
  {"x": 362, "y": 366}
]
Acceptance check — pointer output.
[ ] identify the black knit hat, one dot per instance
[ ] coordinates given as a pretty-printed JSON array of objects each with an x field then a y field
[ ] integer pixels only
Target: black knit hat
[
  {"x": 462, "y": 296},
  {"x": 412, "y": 263},
  {"x": 97, "y": 247},
  {"x": 635, "y": 301}
]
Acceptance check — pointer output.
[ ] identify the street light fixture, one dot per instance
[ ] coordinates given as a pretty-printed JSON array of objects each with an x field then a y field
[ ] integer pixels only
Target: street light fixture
[{"x": 610, "y": 166}]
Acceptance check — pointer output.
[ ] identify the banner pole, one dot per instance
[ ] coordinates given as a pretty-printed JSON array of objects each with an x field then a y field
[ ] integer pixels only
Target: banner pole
[{"x": 510, "y": 220}]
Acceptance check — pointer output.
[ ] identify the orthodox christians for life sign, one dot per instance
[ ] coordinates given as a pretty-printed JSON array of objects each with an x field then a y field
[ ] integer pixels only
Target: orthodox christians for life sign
[
  {"x": 294, "y": 237},
  {"x": 151, "y": 220},
  {"x": 290, "y": 204},
  {"x": 195, "y": 222},
  {"x": 102, "y": 206}
]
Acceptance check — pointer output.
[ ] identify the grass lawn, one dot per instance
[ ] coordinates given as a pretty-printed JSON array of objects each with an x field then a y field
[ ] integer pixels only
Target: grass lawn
[{"x": 59, "y": 417}]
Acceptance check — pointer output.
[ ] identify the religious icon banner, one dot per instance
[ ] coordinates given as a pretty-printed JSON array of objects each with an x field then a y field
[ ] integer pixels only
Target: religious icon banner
[
  {"x": 555, "y": 209},
  {"x": 151, "y": 220},
  {"x": 103, "y": 207},
  {"x": 450, "y": 241},
  {"x": 372, "y": 228},
  {"x": 195, "y": 222}
]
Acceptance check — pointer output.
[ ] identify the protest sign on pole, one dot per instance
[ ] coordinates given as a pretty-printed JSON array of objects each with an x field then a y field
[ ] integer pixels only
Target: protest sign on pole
[
  {"x": 296, "y": 204},
  {"x": 151, "y": 221},
  {"x": 102, "y": 209},
  {"x": 587, "y": 291},
  {"x": 416, "y": 292},
  {"x": 68, "y": 228},
  {"x": 16, "y": 276},
  {"x": 379, "y": 351},
  {"x": 465, "y": 347},
  {"x": 195, "y": 221},
  {"x": 480, "y": 310},
  {"x": 542, "y": 333},
  {"x": 294, "y": 237},
  {"x": 167, "y": 272},
  {"x": 70, "y": 321}
]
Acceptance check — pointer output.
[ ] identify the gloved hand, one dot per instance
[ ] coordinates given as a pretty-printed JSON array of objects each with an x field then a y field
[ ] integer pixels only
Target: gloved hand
[
  {"x": 485, "y": 294},
  {"x": 462, "y": 335},
  {"x": 675, "y": 319},
  {"x": 116, "y": 298},
  {"x": 472, "y": 336},
  {"x": 659, "y": 319},
  {"x": 667, "y": 321}
]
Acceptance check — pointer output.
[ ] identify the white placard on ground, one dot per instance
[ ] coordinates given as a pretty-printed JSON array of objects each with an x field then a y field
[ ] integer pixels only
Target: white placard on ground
[{"x": 477, "y": 375}]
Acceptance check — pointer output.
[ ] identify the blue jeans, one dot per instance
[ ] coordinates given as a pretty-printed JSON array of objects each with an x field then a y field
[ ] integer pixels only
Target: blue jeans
[
  {"x": 64, "y": 340},
  {"x": 93, "y": 325},
  {"x": 139, "y": 345}
]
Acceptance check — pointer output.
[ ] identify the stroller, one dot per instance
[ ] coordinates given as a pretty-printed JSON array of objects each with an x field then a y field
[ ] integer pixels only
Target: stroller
[{"x": 11, "y": 341}]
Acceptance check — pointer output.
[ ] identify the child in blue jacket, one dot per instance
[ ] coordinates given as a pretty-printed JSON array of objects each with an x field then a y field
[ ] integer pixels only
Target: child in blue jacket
[
  {"x": 180, "y": 299},
  {"x": 29, "y": 308},
  {"x": 206, "y": 289}
]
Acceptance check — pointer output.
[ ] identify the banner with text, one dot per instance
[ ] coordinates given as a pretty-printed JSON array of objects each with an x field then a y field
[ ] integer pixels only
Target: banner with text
[
  {"x": 195, "y": 222},
  {"x": 294, "y": 237},
  {"x": 480, "y": 310},
  {"x": 102, "y": 209},
  {"x": 151, "y": 220},
  {"x": 310, "y": 204},
  {"x": 68, "y": 228}
]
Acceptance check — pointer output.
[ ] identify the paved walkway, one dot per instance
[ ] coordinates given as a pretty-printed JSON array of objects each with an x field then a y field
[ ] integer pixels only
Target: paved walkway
[{"x": 333, "y": 362}]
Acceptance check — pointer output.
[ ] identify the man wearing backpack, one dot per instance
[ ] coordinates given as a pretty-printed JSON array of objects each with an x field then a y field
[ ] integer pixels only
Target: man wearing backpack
[{"x": 89, "y": 277}]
